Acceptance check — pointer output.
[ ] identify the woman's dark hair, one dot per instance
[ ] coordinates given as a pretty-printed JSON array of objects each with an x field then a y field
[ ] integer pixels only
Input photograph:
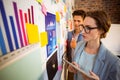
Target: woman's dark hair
[
  {"x": 81, "y": 13},
  {"x": 102, "y": 21}
]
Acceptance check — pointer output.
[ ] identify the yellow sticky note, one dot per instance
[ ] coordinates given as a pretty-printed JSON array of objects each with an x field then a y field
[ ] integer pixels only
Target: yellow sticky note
[
  {"x": 43, "y": 38},
  {"x": 40, "y": 1},
  {"x": 65, "y": 9},
  {"x": 57, "y": 16},
  {"x": 58, "y": 41},
  {"x": 32, "y": 33}
]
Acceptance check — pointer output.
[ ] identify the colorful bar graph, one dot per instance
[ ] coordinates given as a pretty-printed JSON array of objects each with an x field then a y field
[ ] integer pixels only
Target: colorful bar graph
[
  {"x": 17, "y": 21},
  {"x": 5, "y": 22},
  {"x": 32, "y": 12},
  {"x": 23, "y": 27},
  {"x": 29, "y": 16},
  {"x": 2, "y": 44},
  {"x": 25, "y": 16},
  {"x": 18, "y": 37},
  {"x": 14, "y": 32}
]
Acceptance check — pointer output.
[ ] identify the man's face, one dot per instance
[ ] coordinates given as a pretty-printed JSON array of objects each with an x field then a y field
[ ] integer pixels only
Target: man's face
[{"x": 77, "y": 20}]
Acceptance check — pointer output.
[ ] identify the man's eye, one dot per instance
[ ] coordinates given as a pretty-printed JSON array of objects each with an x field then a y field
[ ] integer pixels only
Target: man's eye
[{"x": 79, "y": 21}]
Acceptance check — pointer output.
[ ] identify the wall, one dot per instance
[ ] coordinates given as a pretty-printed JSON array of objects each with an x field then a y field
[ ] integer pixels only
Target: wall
[
  {"x": 112, "y": 40},
  {"x": 110, "y": 6},
  {"x": 25, "y": 68},
  {"x": 21, "y": 61}
]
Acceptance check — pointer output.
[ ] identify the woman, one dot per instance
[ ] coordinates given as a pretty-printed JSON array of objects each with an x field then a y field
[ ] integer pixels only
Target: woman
[{"x": 91, "y": 55}]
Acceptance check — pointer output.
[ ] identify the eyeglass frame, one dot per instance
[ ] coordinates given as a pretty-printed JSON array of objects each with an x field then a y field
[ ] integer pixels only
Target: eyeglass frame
[{"x": 87, "y": 29}]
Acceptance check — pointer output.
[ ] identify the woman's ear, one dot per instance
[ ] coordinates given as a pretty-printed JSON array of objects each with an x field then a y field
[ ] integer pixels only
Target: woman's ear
[{"x": 102, "y": 33}]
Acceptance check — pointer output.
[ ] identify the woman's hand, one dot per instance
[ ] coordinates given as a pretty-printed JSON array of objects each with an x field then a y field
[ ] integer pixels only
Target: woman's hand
[
  {"x": 93, "y": 75},
  {"x": 71, "y": 69}
]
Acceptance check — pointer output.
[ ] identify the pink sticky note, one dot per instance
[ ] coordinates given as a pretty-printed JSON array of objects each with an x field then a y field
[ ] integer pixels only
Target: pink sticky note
[
  {"x": 44, "y": 10},
  {"x": 59, "y": 68}
]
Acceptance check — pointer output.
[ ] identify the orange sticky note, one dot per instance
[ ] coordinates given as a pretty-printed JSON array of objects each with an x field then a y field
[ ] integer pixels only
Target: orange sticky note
[
  {"x": 73, "y": 43},
  {"x": 43, "y": 38},
  {"x": 57, "y": 1},
  {"x": 32, "y": 33}
]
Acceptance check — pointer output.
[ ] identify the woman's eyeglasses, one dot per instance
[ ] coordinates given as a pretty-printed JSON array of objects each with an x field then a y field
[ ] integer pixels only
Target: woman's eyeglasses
[{"x": 87, "y": 29}]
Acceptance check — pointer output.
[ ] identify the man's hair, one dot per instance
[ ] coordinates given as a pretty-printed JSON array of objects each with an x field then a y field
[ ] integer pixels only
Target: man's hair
[{"x": 81, "y": 13}]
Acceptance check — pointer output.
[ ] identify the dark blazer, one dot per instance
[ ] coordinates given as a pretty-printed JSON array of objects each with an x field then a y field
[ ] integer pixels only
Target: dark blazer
[
  {"x": 68, "y": 48},
  {"x": 107, "y": 65}
]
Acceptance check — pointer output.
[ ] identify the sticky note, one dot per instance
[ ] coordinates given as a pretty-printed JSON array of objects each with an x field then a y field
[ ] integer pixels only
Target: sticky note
[
  {"x": 59, "y": 68},
  {"x": 65, "y": 9},
  {"x": 58, "y": 41},
  {"x": 40, "y": 1},
  {"x": 43, "y": 38},
  {"x": 57, "y": 1},
  {"x": 57, "y": 16},
  {"x": 44, "y": 9},
  {"x": 32, "y": 33}
]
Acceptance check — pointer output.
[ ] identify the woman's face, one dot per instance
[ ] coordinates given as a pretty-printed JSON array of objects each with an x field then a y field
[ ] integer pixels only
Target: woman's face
[{"x": 92, "y": 34}]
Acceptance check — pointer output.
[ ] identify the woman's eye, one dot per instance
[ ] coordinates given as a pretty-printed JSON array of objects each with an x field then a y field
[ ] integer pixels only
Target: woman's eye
[{"x": 88, "y": 28}]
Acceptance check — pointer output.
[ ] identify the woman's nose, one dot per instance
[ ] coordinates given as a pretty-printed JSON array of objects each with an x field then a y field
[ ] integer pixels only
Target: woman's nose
[{"x": 83, "y": 31}]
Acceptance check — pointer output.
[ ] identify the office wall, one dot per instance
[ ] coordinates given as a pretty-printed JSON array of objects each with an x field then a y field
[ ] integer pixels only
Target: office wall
[
  {"x": 28, "y": 67},
  {"x": 110, "y": 6},
  {"x": 23, "y": 56},
  {"x": 112, "y": 40}
]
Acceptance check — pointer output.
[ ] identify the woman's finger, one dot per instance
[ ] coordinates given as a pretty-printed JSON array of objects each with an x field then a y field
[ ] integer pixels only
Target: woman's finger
[{"x": 94, "y": 75}]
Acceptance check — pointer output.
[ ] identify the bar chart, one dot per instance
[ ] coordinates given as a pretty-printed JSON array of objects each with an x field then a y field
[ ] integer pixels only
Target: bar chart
[{"x": 13, "y": 36}]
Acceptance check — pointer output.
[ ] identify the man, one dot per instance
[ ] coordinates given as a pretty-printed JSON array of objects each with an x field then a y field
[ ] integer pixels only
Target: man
[{"x": 74, "y": 36}]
